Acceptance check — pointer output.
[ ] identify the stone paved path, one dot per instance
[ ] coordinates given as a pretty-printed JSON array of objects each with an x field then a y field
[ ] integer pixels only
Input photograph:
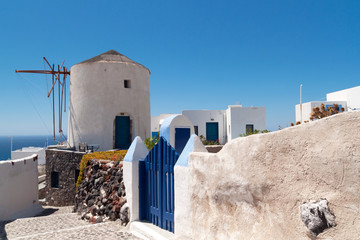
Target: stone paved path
[{"x": 59, "y": 223}]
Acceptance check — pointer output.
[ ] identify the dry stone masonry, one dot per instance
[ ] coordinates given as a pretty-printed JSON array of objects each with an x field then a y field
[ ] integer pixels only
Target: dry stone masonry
[
  {"x": 62, "y": 167},
  {"x": 101, "y": 195}
]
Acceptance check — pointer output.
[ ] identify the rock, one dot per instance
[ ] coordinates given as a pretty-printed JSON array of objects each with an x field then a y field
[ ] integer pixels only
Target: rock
[
  {"x": 99, "y": 219},
  {"x": 124, "y": 214},
  {"x": 101, "y": 192},
  {"x": 317, "y": 216},
  {"x": 90, "y": 202}
]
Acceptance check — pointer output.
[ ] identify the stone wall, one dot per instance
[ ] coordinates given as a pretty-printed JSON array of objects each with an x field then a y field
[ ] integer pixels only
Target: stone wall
[
  {"x": 275, "y": 185},
  {"x": 101, "y": 194},
  {"x": 66, "y": 164}
]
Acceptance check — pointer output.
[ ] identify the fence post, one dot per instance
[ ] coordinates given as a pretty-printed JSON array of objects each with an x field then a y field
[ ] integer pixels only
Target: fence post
[
  {"x": 182, "y": 213},
  {"x": 136, "y": 152}
]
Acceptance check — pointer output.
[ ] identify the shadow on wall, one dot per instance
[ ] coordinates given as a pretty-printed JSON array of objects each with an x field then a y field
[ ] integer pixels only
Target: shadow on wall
[{"x": 3, "y": 234}]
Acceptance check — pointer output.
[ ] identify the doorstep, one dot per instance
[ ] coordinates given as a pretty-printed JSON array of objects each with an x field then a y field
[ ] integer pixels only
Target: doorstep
[{"x": 148, "y": 231}]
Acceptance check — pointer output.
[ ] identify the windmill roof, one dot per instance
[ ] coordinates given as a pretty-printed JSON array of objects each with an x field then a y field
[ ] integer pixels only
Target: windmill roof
[{"x": 112, "y": 56}]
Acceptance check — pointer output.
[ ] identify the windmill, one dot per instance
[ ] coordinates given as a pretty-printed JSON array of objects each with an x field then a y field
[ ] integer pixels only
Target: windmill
[{"x": 58, "y": 76}]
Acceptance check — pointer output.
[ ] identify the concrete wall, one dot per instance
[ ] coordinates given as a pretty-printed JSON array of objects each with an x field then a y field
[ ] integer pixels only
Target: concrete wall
[
  {"x": 28, "y": 151},
  {"x": 19, "y": 188},
  {"x": 307, "y": 108},
  {"x": 238, "y": 117},
  {"x": 97, "y": 96},
  {"x": 201, "y": 117},
  {"x": 255, "y": 186},
  {"x": 350, "y": 95}
]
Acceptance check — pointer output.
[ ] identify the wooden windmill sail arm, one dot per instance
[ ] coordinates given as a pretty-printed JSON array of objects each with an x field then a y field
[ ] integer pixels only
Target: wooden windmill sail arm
[{"x": 43, "y": 71}]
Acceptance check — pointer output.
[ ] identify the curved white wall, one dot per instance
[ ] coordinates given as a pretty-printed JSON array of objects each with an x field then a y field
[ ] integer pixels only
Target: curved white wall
[
  {"x": 167, "y": 129},
  {"x": 19, "y": 188},
  {"x": 98, "y": 95}
]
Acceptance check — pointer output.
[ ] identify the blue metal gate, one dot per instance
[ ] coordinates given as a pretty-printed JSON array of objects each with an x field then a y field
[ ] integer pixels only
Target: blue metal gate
[{"x": 156, "y": 185}]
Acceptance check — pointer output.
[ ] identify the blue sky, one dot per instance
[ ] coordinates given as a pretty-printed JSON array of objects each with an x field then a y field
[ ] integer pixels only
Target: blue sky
[{"x": 202, "y": 54}]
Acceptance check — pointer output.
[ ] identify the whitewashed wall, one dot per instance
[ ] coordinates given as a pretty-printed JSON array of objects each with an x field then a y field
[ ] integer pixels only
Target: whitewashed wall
[
  {"x": 169, "y": 125},
  {"x": 97, "y": 96},
  {"x": 255, "y": 186},
  {"x": 238, "y": 117},
  {"x": 136, "y": 152},
  {"x": 308, "y": 107},
  {"x": 19, "y": 188},
  {"x": 350, "y": 95},
  {"x": 201, "y": 117},
  {"x": 28, "y": 151},
  {"x": 156, "y": 121}
]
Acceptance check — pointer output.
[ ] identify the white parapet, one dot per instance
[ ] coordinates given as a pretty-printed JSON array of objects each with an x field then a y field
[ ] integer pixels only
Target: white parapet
[
  {"x": 19, "y": 188},
  {"x": 182, "y": 186},
  {"x": 136, "y": 152}
]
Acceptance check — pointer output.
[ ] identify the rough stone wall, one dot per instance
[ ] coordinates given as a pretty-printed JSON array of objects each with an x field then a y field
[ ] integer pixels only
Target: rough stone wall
[
  {"x": 64, "y": 162},
  {"x": 101, "y": 194},
  {"x": 255, "y": 187}
]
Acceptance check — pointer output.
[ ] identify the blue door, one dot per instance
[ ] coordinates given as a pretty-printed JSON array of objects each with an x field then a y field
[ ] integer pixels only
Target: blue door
[
  {"x": 156, "y": 185},
  {"x": 182, "y": 136},
  {"x": 122, "y": 132},
  {"x": 212, "y": 131}
]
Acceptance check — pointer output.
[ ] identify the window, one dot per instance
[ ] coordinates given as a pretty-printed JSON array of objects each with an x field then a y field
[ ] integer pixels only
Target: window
[
  {"x": 127, "y": 84},
  {"x": 338, "y": 108},
  {"x": 77, "y": 172},
  {"x": 54, "y": 179},
  {"x": 249, "y": 128},
  {"x": 196, "y": 129}
]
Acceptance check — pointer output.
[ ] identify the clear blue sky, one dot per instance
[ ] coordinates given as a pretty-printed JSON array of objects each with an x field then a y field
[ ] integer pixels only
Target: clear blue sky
[{"x": 202, "y": 54}]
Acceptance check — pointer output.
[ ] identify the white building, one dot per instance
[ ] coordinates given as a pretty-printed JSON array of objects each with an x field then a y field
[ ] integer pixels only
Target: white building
[
  {"x": 239, "y": 119},
  {"x": 349, "y": 99},
  {"x": 222, "y": 125},
  {"x": 109, "y": 102},
  {"x": 157, "y": 121},
  {"x": 29, "y": 151},
  {"x": 351, "y": 96},
  {"x": 308, "y": 107}
]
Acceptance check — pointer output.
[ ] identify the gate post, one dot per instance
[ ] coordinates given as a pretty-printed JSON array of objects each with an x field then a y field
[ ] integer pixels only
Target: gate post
[
  {"x": 182, "y": 213},
  {"x": 136, "y": 152}
]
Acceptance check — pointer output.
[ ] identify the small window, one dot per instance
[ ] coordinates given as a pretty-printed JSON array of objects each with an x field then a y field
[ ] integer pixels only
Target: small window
[
  {"x": 249, "y": 128},
  {"x": 77, "y": 172},
  {"x": 196, "y": 129},
  {"x": 55, "y": 180},
  {"x": 127, "y": 84}
]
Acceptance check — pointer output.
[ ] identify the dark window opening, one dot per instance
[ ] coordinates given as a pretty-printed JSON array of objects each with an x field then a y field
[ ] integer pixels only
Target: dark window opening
[
  {"x": 196, "y": 129},
  {"x": 55, "y": 180},
  {"x": 77, "y": 172},
  {"x": 249, "y": 128},
  {"x": 127, "y": 84}
]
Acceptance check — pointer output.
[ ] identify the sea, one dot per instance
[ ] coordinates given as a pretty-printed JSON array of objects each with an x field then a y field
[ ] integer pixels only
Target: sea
[{"x": 19, "y": 142}]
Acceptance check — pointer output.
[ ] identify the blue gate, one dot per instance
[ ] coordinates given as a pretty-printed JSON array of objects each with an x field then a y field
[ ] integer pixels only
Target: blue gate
[{"x": 156, "y": 185}]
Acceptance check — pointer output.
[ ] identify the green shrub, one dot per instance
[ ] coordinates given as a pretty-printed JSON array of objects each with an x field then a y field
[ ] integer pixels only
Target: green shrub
[
  {"x": 256, "y": 131},
  {"x": 151, "y": 142},
  {"x": 209, "y": 142}
]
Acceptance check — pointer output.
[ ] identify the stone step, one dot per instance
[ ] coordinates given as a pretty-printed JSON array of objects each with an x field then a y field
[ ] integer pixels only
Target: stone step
[{"x": 148, "y": 231}]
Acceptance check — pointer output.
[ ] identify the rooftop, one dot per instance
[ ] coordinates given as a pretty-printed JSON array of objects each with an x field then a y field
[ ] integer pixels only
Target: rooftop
[{"x": 112, "y": 56}]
